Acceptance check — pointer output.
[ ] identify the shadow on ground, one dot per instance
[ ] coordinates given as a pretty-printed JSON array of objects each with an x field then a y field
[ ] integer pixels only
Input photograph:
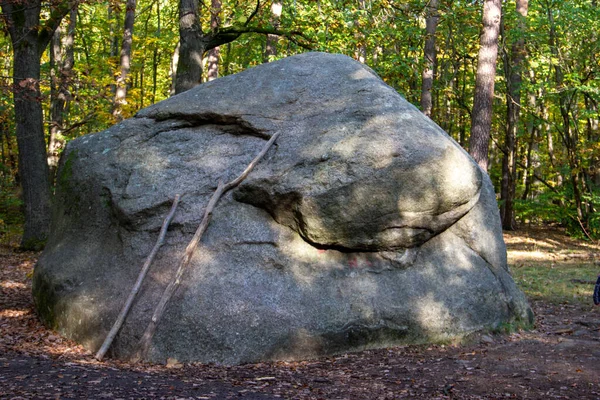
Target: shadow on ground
[{"x": 559, "y": 359}]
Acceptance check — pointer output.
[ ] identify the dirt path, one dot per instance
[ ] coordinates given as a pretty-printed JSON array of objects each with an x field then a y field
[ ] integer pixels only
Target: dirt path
[{"x": 559, "y": 359}]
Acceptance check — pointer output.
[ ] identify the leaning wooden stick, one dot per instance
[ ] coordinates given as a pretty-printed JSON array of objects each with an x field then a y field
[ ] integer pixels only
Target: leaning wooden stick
[
  {"x": 136, "y": 288},
  {"x": 146, "y": 339}
]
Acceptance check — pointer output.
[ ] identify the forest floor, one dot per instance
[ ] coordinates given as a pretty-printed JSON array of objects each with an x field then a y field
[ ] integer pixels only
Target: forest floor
[{"x": 559, "y": 358}]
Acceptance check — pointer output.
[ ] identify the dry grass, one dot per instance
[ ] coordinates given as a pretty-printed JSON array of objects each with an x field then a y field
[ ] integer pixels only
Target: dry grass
[
  {"x": 550, "y": 266},
  {"x": 548, "y": 245}
]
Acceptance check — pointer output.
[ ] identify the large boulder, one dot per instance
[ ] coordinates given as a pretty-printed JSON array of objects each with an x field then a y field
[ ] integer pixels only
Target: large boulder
[{"x": 364, "y": 226}]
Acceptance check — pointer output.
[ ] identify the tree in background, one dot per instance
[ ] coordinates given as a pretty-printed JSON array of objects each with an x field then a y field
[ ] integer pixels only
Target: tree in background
[
  {"x": 61, "y": 76},
  {"x": 555, "y": 173},
  {"x": 125, "y": 64},
  {"x": 513, "y": 70},
  {"x": 214, "y": 53},
  {"x": 30, "y": 36},
  {"x": 429, "y": 54},
  {"x": 481, "y": 118},
  {"x": 194, "y": 42},
  {"x": 271, "y": 45}
]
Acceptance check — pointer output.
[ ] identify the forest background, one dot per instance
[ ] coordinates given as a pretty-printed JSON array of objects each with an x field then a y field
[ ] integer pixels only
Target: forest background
[{"x": 101, "y": 61}]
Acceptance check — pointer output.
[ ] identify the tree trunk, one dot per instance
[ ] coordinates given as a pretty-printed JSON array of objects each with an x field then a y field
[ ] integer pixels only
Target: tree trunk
[
  {"x": 360, "y": 53},
  {"x": 271, "y": 46},
  {"x": 156, "y": 55},
  {"x": 121, "y": 92},
  {"x": 29, "y": 39},
  {"x": 430, "y": 57},
  {"x": 191, "y": 47},
  {"x": 114, "y": 27},
  {"x": 569, "y": 136},
  {"x": 62, "y": 59},
  {"x": 214, "y": 54},
  {"x": 193, "y": 43},
  {"x": 114, "y": 20},
  {"x": 33, "y": 166},
  {"x": 481, "y": 118},
  {"x": 593, "y": 135},
  {"x": 513, "y": 71},
  {"x": 531, "y": 161},
  {"x": 173, "y": 67}
]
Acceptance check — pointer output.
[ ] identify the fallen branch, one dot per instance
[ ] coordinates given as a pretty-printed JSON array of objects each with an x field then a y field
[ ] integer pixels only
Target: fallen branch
[
  {"x": 146, "y": 339},
  {"x": 584, "y": 230},
  {"x": 121, "y": 318}
]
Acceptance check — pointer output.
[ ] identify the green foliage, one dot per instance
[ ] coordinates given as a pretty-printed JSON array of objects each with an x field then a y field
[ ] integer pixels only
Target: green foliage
[
  {"x": 547, "y": 207},
  {"x": 557, "y": 206},
  {"x": 506, "y": 328},
  {"x": 558, "y": 137}
]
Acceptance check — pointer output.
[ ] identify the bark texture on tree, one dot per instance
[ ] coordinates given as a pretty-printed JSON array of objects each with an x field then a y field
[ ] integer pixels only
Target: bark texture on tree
[
  {"x": 193, "y": 43},
  {"x": 125, "y": 64},
  {"x": 513, "y": 70},
  {"x": 191, "y": 47},
  {"x": 481, "y": 118},
  {"x": 29, "y": 39},
  {"x": 430, "y": 57},
  {"x": 33, "y": 166}
]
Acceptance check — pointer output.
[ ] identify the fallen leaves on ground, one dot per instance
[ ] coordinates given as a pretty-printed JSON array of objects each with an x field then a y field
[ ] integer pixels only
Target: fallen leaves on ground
[{"x": 559, "y": 359}]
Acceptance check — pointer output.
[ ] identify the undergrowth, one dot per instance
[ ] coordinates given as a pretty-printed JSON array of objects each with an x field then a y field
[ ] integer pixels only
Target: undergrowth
[{"x": 11, "y": 209}]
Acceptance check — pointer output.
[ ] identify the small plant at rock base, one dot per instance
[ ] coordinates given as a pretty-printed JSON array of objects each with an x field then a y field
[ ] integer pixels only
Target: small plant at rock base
[{"x": 506, "y": 328}]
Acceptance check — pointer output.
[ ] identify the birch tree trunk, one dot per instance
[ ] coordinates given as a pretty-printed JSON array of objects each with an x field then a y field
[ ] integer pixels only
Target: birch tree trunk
[
  {"x": 173, "y": 67},
  {"x": 481, "y": 118}
]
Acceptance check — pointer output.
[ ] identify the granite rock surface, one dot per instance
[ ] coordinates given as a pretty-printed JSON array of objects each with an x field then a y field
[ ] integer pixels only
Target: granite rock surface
[{"x": 364, "y": 226}]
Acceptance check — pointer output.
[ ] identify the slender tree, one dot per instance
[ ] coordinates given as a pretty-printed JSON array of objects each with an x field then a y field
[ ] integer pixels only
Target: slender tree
[
  {"x": 30, "y": 37},
  {"x": 481, "y": 118},
  {"x": 156, "y": 54},
  {"x": 62, "y": 61},
  {"x": 125, "y": 64},
  {"x": 568, "y": 133},
  {"x": 429, "y": 57},
  {"x": 214, "y": 53},
  {"x": 513, "y": 65},
  {"x": 360, "y": 54}
]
